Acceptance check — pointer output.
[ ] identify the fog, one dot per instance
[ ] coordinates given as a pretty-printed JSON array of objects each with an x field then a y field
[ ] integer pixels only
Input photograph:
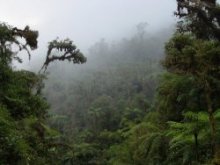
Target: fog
[{"x": 86, "y": 21}]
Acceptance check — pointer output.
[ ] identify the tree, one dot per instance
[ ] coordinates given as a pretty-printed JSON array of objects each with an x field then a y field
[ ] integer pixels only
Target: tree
[
  {"x": 192, "y": 60},
  {"x": 190, "y": 138},
  {"x": 24, "y": 136},
  {"x": 201, "y": 17},
  {"x": 68, "y": 50},
  {"x": 187, "y": 55}
]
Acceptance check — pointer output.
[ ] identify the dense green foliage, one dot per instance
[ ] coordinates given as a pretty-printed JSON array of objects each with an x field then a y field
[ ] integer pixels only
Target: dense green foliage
[
  {"x": 25, "y": 137},
  {"x": 22, "y": 134}
]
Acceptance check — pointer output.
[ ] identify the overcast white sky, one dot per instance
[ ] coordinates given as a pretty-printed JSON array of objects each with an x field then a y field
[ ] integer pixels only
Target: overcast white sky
[{"x": 86, "y": 21}]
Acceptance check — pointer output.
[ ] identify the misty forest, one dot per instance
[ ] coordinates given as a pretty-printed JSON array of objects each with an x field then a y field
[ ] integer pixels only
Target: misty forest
[{"x": 145, "y": 99}]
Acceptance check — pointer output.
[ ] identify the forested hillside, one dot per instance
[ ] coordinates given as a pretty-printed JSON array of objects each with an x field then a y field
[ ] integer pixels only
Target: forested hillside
[
  {"x": 146, "y": 99},
  {"x": 97, "y": 105}
]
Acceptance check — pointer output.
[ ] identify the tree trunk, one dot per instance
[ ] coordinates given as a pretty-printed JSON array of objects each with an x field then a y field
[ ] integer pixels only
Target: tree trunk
[
  {"x": 214, "y": 143},
  {"x": 196, "y": 147}
]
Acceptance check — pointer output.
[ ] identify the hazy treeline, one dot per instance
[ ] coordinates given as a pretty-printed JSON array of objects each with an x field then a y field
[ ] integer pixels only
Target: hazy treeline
[{"x": 95, "y": 104}]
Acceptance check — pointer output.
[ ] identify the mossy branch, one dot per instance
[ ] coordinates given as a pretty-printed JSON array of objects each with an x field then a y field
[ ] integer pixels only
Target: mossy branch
[{"x": 68, "y": 52}]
